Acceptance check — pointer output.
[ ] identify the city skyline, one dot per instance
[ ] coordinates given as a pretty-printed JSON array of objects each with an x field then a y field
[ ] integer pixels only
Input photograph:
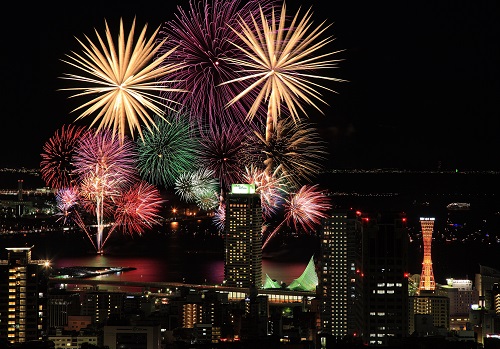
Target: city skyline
[{"x": 421, "y": 81}]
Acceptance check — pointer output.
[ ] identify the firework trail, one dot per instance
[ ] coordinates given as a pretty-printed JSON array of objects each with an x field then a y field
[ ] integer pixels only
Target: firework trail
[
  {"x": 280, "y": 63},
  {"x": 168, "y": 151},
  {"x": 202, "y": 40},
  {"x": 56, "y": 167},
  {"x": 304, "y": 210},
  {"x": 123, "y": 80}
]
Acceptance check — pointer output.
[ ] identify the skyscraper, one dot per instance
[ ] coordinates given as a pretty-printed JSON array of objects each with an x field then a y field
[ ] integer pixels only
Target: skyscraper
[
  {"x": 363, "y": 284},
  {"x": 427, "y": 282},
  {"x": 243, "y": 241},
  {"x": 23, "y": 296},
  {"x": 339, "y": 275},
  {"x": 385, "y": 279}
]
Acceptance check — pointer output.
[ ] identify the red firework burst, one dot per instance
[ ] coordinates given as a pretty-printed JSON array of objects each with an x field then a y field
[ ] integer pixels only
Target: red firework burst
[
  {"x": 138, "y": 208},
  {"x": 56, "y": 167}
]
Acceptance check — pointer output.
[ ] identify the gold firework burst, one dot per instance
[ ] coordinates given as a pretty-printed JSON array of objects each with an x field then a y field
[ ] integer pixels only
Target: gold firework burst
[
  {"x": 124, "y": 83},
  {"x": 280, "y": 61}
]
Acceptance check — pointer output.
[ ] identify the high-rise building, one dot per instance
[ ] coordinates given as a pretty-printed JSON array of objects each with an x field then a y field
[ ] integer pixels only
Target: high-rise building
[
  {"x": 23, "y": 296},
  {"x": 385, "y": 279},
  {"x": 363, "y": 278},
  {"x": 427, "y": 282},
  {"x": 339, "y": 275},
  {"x": 243, "y": 241}
]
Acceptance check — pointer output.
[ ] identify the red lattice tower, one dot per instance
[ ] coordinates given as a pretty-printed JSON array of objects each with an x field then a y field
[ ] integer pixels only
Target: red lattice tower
[{"x": 427, "y": 278}]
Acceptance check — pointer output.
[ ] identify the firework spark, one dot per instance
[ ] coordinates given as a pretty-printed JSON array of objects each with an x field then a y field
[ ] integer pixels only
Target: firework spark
[
  {"x": 202, "y": 38},
  {"x": 56, "y": 167},
  {"x": 168, "y": 151},
  {"x": 124, "y": 80},
  {"x": 304, "y": 210}
]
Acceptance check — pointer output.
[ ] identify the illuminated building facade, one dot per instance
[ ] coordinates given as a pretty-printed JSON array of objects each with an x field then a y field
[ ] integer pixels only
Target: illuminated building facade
[
  {"x": 340, "y": 275},
  {"x": 462, "y": 298},
  {"x": 436, "y": 307},
  {"x": 23, "y": 296},
  {"x": 427, "y": 282},
  {"x": 243, "y": 241},
  {"x": 100, "y": 305}
]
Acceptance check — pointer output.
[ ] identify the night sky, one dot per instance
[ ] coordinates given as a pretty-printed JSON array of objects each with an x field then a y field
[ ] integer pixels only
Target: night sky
[{"x": 423, "y": 88}]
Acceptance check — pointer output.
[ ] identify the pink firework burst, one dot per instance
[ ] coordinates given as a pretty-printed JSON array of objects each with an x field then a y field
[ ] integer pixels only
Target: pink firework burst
[
  {"x": 66, "y": 200},
  {"x": 102, "y": 154},
  {"x": 56, "y": 167},
  {"x": 307, "y": 207},
  {"x": 303, "y": 209}
]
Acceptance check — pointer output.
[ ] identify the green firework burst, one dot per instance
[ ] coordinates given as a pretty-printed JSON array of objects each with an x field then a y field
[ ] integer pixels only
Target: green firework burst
[{"x": 168, "y": 150}]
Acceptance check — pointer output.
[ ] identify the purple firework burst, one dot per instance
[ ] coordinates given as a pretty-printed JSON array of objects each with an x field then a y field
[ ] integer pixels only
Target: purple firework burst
[{"x": 202, "y": 36}]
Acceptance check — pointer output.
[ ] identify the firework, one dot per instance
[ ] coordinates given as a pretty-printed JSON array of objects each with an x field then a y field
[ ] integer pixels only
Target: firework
[
  {"x": 137, "y": 208},
  {"x": 220, "y": 217},
  {"x": 56, "y": 167},
  {"x": 191, "y": 185},
  {"x": 221, "y": 152},
  {"x": 68, "y": 200},
  {"x": 280, "y": 61},
  {"x": 168, "y": 151},
  {"x": 304, "y": 210},
  {"x": 123, "y": 81},
  {"x": 105, "y": 167},
  {"x": 207, "y": 200},
  {"x": 202, "y": 38},
  {"x": 296, "y": 149},
  {"x": 270, "y": 188}
]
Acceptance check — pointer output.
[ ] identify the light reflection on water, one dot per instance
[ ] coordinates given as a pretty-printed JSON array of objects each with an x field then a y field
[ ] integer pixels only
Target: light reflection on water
[{"x": 201, "y": 269}]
